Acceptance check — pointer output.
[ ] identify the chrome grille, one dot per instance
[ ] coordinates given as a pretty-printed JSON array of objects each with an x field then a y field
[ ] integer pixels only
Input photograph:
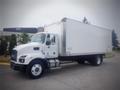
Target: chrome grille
[{"x": 14, "y": 55}]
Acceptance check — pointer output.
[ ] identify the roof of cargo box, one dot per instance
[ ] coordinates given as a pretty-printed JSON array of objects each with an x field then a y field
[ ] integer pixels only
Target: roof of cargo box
[{"x": 65, "y": 19}]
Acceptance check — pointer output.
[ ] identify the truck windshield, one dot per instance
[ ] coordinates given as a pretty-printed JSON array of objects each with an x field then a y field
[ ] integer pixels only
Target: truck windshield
[{"x": 38, "y": 38}]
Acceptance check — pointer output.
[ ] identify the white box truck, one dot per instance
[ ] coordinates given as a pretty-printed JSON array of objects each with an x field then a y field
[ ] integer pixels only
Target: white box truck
[{"x": 67, "y": 40}]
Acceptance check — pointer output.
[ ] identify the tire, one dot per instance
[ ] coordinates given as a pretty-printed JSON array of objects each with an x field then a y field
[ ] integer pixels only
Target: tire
[
  {"x": 35, "y": 69},
  {"x": 96, "y": 60}
]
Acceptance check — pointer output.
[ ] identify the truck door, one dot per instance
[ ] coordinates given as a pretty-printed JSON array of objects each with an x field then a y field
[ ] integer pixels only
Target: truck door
[{"x": 51, "y": 46}]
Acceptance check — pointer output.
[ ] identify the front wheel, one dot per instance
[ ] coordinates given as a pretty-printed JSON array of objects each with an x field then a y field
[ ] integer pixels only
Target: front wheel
[
  {"x": 96, "y": 60},
  {"x": 35, "y": 69}
]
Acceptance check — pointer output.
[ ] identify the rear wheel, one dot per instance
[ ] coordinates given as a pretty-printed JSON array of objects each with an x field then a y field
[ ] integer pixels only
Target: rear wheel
[
  {"x": 35, "y": 69},
  {"x": 96, "y": 60}
]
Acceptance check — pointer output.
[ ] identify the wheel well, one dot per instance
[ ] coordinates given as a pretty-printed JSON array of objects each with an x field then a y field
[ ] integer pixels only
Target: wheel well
[{"x": 42, "y": 60}]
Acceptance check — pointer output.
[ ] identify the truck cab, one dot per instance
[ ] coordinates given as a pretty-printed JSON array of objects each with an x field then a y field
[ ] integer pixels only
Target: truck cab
[
  {"x": 41, "y": 49},
  {"x": 48, "y": 44}
]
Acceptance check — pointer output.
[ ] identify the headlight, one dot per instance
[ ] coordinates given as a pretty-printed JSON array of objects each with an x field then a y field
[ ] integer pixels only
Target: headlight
[{"x": 22, "y": 59}]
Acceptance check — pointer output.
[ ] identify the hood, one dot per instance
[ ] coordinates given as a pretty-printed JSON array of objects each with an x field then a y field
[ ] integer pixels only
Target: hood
[
  {"x": 29, "y": 48},
  {"x": 31, "y": 44}
]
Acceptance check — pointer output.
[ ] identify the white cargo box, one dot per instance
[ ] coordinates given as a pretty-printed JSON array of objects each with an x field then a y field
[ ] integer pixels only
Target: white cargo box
[{"x": 76, "y": 38}]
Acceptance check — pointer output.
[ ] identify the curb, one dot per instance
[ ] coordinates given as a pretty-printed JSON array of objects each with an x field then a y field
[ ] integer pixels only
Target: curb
[{"x": 4, "y": 63}]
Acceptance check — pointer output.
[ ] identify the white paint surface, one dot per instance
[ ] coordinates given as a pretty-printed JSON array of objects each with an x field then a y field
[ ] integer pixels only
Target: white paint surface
[{"x": 76, "y": 38}]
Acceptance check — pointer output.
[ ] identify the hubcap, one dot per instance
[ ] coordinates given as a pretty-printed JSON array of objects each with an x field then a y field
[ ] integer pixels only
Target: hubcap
[
  {"x": 36, "y": 69},
  {"x": 98, "y": 60}
]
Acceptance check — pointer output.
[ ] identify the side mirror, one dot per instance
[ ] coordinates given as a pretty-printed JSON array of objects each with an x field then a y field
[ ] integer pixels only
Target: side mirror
[{"x": 48, "y": 42}]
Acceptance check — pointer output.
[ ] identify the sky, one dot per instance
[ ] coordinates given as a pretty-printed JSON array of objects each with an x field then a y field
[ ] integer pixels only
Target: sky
[{"x": 36, "y": 13}]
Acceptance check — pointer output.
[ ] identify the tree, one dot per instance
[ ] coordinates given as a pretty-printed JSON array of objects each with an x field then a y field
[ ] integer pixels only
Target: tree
[
  {"x": 12, "y": 43},
  {"x": 0, "y": 46},
  {"x": 115, "y": 42},
  {"x": 23, "y": 38},
  {"x": 3, "y": 46}
]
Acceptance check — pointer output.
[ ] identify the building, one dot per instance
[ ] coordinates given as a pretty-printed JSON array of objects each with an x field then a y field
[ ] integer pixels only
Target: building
[{"x": 10, "y": 31}]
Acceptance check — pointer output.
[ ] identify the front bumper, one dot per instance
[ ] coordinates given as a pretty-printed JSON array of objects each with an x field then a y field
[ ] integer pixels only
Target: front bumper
[{"x": 18, "y": 67}]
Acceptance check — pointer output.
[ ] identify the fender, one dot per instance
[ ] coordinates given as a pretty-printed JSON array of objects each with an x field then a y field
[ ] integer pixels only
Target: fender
[
  {"x": 45, "y": 62},
  {"x": 31, "y": 56}
]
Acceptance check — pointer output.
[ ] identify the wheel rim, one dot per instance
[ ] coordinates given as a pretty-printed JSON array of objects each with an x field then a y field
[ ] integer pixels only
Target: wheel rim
[
  {"x": 98, "y": 60},
  {"x": 36, "y": 69}
]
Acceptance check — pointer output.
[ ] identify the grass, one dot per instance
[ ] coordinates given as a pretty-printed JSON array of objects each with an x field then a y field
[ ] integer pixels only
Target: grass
[
  {"x": 109, "y": 55},
  {"x": 116, "y": 50},
  {"x": 4, "y": 59}
]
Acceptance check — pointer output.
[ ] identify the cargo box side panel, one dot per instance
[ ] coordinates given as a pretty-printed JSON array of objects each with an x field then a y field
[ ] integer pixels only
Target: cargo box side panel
[{"x": 86, "y": 39}]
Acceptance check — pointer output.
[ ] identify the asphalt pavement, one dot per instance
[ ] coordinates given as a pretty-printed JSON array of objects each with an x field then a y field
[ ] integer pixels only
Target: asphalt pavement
[{"x": 70, "y": 77}]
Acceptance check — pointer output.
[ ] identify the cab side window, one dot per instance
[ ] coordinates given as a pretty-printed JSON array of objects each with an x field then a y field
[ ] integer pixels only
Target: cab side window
[
  {"x": 53, "y": 40},
  {"x": 50, "y": 39}
]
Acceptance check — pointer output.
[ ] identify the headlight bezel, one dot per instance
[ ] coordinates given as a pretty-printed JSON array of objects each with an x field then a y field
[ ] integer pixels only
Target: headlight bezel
[{"x": 22, "y": 58}]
